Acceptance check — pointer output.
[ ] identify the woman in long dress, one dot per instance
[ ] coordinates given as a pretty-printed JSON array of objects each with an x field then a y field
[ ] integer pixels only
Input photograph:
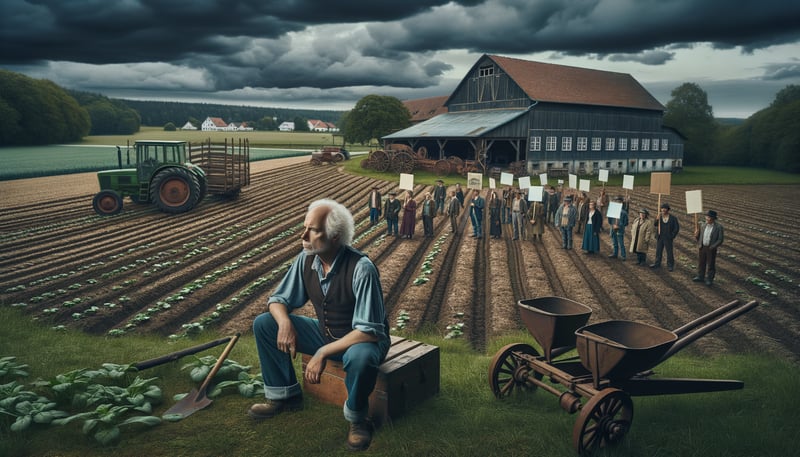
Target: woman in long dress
[
  {"x": 592, "y": 230},
  {"x": 409, "y": 216},
  {"x": 538, "y": 219},
  {"x": 495, "y": 207}
]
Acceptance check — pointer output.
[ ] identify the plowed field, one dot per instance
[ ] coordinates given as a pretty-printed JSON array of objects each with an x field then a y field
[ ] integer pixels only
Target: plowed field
[{"x": 144, "y": 271}]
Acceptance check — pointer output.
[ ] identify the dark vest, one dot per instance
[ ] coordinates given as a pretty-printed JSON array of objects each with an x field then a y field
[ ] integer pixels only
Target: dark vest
[{"x": 334, "y": 311}]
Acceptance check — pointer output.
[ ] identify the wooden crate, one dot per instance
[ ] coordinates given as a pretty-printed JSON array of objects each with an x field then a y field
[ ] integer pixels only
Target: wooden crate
[{"x": 409, "y": 375}]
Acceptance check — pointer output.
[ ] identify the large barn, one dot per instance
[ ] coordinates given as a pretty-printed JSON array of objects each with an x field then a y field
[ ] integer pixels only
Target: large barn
[{"x": 555, "y": 118}]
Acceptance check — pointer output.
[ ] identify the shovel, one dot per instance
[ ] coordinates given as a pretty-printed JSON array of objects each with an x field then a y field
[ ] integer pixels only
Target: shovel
[{"x": 197, "y": 399}]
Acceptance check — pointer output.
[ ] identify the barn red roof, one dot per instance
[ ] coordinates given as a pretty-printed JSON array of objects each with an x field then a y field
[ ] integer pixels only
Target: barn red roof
[
  {"x": 423, "y": 109},
  {"x": 547, "y": 82}
]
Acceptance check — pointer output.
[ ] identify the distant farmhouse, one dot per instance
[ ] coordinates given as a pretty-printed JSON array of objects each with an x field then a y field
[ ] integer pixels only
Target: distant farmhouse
[
  {"x": 315, "y": 125},
  {"x": 286, "y": 126},
  {"x": 552, "y": 117},
  {"x": 188, "y": 126},
  {"x": 216, "y": 124}
]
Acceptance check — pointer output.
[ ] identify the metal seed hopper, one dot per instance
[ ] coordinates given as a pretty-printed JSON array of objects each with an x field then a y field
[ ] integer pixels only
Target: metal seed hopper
[{"x": 614, "y": 362}]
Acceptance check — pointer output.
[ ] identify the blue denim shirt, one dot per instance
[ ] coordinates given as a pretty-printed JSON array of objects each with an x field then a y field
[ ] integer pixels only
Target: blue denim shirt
[{"x": 369, "y": 314}]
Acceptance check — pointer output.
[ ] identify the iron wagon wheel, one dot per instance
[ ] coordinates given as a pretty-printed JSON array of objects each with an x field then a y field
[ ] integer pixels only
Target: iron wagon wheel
[
  {"x": 315, "y": 161},
  {"x": 175, "y": 190},
  {"x": 402, "y": 162},
  {"x": 107, "y": 202},
  {"x": 508, "y": 371},
  {"x": 603, "y": 421},
  {"x": 380, "y": 160},
  {"x": 338, "y": 157},
  {"x": 442, "y": 167}
]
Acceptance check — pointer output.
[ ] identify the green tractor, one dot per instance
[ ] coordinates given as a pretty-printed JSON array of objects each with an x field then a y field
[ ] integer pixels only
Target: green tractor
[{"x": 173, "y": 175}]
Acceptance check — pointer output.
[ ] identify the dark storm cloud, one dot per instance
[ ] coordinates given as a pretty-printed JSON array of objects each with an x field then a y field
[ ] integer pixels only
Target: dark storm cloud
[{"x": 225, "y": 45}]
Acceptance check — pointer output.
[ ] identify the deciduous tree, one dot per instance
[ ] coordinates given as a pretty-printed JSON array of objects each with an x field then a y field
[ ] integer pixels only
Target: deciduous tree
[
  {"x": 689, "y": 112},
  {"x": 375, "y": 116}
]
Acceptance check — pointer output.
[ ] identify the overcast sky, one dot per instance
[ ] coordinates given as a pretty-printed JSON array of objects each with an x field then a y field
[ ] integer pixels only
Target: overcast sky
[{"x": 328, "y": 54}]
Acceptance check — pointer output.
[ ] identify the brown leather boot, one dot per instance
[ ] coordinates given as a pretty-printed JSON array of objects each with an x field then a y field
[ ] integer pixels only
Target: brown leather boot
[
  {"x": 271, "y": 408},
  {"x": 360, "y": 436}
]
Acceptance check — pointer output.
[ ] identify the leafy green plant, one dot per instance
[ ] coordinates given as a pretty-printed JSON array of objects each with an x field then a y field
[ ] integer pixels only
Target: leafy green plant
[
  {"x": 10, "y": 367},
  {"x": 201, "y": 367},
  {"x": 104, "y": 422},
  {"x": 247, "y": 385},
  {"x": 402, "y": 320},
  {"x": 26, "y": 407}
]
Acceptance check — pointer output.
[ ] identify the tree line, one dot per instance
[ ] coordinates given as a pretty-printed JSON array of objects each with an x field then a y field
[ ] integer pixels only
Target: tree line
[{"x": 35, "y": 112}]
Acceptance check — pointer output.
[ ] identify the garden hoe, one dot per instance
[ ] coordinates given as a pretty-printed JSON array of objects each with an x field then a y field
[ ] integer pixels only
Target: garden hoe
[{"x": 197, "y": 398}]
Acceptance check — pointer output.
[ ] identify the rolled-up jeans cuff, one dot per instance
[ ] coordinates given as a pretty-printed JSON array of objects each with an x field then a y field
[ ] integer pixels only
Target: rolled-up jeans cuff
[
  {"x": 282, "y": 392},
  {"x": 354, "y": 416}
]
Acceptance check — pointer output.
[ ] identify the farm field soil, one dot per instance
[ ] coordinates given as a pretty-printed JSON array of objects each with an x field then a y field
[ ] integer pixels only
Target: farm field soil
[{"x": 145, "y": 271}]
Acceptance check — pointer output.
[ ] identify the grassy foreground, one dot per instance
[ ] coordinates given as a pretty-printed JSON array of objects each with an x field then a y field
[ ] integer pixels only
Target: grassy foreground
[{"x": 463, "y": 420}]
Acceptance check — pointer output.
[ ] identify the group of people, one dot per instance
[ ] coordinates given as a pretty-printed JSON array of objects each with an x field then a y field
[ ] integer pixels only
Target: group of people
[{"x": 343, "y": 285}]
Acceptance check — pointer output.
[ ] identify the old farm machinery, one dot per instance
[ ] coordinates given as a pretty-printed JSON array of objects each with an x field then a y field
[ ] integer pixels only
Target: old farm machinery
[
  {"x": 401, "y": 158},
  {"x": 329, "y": 154},
  {"x": 614, "y": 362}
]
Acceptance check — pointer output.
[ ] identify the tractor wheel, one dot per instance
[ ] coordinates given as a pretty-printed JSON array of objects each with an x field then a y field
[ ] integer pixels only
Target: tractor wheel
[
  {"x": 315, "y": 161},
  {"x": 402, "y": 162},
  {"x": 175, "y": 190},
  {"x": 338, "y": 157},
  {"x": 203, "y": 182},
  {"x": 380, "y": 160},
  {"x": 107, "y": 203}
]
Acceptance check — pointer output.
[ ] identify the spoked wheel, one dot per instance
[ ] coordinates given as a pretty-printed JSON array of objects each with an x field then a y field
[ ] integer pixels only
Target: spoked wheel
[
  {"x": 442, "y": 167},
  {"x": 402, "y": 162},
  {"x": 508, "y": 371},
  {"x": 380, "y": 160},
  {"x": 603, "y": 421},
  {"x": 315, "y": 161}
]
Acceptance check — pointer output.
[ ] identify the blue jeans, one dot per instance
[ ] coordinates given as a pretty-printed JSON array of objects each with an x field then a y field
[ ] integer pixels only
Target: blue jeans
[
  {"x": 392, "y": 225},
  {"x": 566, "y": 237},
  {"x": 360, "y": 361},
  {"x": 440, "y": 206},
  {"x": 618, "y": 242},
  {"x": 477, "y": 230},
  {"x": 374, "y": 215},
  {"x": 517, "y": 220}
]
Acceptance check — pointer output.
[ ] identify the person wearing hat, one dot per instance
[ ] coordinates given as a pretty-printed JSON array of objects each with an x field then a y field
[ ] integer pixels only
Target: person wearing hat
[
  {"x": 439, "y": 194},
  {"x": 566, "y": 217},
  {"x": 375, "y": 204},
  {"x": 641, "y": 233},
  {"x": 667, "y": 228},
  {"x": 391, "y": 211},
  {"x": 709, "y": 236},
  {"x": 617, "y": 230}
]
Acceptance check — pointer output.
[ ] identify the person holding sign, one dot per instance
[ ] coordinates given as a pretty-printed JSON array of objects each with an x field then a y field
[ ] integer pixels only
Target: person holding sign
[
  {"x": 476, "y": 214},
  {"x": 709, "y": 236},
  {"x": 495, "y": 210},
  {"x": 518, "y": 210},
  {"x": 537, "y": 218},
  {"x": 618, "y": 224},
  {"x": 409, "y": 216},
  {"x": 667, "y": 228}
]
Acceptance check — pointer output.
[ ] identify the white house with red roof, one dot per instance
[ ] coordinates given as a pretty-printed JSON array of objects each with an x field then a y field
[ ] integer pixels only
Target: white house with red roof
[{"x": 213, "y": 124}]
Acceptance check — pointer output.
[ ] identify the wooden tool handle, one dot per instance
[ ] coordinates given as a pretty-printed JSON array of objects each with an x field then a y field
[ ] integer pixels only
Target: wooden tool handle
[{"x": 218, "y": 365}]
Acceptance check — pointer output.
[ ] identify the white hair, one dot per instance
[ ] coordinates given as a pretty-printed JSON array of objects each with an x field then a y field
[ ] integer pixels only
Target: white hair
[{"x": 339, "y": 222}]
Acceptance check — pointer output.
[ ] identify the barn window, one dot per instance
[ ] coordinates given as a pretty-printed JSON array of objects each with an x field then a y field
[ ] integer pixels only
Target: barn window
[
  {"x": 566, "y": 143},
  {"x": 486, "y": 71},
  {"x": 645, "y": 144},
  {"x": 644, "y": 164},
  {"x": 655, "y": 144},
  {"x": 634, "y": 144},
  {"x": 582, "y": 142},
  {"x": 654, "y": 164},
  {"x": 623, "y": 144},
  {"x": 609, "y": 144},
  {"x": 536, "y": 143},
  {"x": 608, "y": 165},
  {"x": 551, "y": 143},
  {"x": 619, "y": 164},
  {"x": 664, "y": 145},
  {"x": 595, "y": 143}
]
